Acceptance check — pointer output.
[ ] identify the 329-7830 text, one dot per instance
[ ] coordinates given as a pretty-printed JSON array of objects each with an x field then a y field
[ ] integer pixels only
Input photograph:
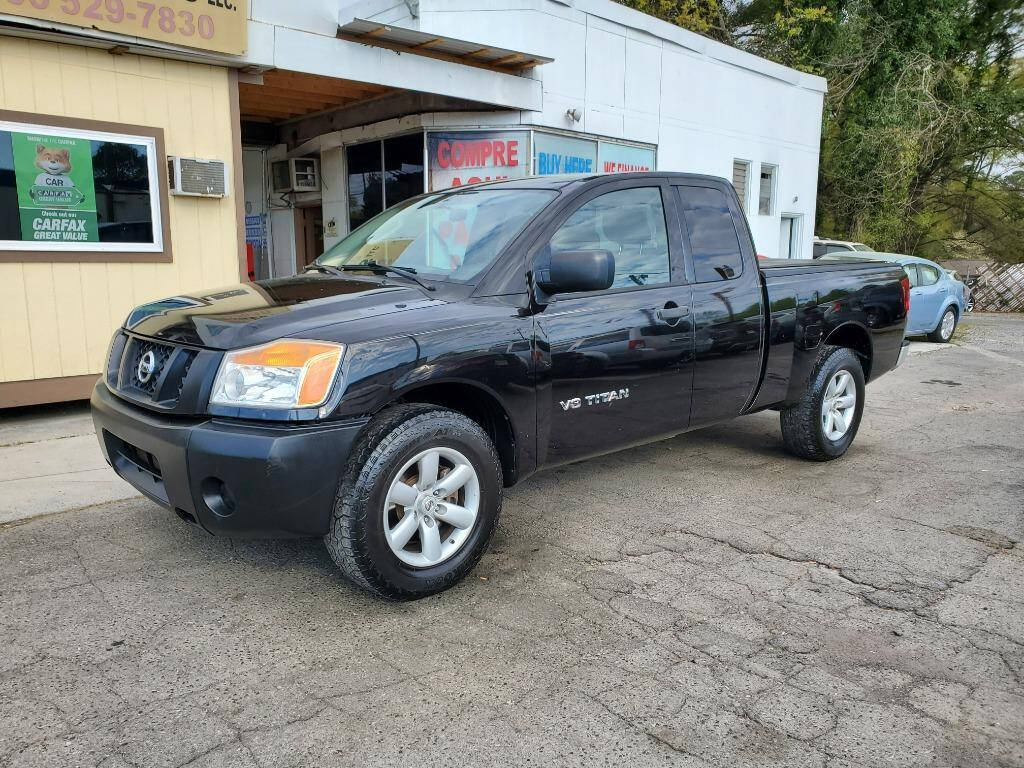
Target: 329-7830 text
[{"x": 147, "y": 15}]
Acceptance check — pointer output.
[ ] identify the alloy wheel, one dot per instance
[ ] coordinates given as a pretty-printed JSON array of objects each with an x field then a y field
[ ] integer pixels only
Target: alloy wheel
[
  {"x": 948, "y": 324},
  {"x": 431, "y": 507},
  {"x": 839, "y": 406}
]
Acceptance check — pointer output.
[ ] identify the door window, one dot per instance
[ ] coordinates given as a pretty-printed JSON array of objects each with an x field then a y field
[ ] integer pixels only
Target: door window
[
  {"x": 911, "y": 270},
  {"x": 714, "y": 243},
  {"x": 630, "y": 223},
  {"x": 929, "y": 275}
]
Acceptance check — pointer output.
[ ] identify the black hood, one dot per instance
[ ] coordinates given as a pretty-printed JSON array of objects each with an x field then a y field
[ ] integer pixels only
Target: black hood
[{"x": 255, "y": 313}]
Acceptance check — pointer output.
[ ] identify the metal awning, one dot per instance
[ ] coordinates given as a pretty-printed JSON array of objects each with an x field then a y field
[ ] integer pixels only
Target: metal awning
[{"x": 436, "y": 46}]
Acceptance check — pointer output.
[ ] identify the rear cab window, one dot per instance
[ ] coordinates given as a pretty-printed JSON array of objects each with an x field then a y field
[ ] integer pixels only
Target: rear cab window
[{"x": 711, "y": 227}]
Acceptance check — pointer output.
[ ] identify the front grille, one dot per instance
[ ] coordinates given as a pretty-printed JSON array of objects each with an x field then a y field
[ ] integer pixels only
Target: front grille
[
  {"x": 154, "y": 372},
  {"x": 189, "y": 356},
  {"x": 145, "y": 378}
]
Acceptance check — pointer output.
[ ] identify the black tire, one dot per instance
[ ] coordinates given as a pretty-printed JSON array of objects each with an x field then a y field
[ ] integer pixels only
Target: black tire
[
  {"x": 937, "y": 335},
  {"x": 802, "y": 429},
  {"x": 356, "y": 540}
]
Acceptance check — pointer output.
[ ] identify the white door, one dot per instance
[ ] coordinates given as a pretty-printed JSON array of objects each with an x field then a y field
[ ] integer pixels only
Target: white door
[{"x": 789, "y": 237}]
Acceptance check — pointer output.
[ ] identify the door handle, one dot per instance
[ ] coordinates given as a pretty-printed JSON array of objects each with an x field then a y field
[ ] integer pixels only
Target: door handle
[{"x": 671, "y": 313}]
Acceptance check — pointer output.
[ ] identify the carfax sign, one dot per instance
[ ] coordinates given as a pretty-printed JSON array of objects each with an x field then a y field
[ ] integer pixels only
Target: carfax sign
[{"x": 56, "y": 194}]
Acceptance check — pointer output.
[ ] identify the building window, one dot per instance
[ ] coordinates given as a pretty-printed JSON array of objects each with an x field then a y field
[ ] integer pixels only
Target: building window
[
  {"x": 382, "y": 174},
  {"x": 740, "y": 178},
  {"x": 66, "y": 190},
  {"x": 622, "y": 158},
  {"x": 403, "y": 168},
  {"x": 365, "y": 182},
  {"x": 766, "y": 192},
  {"x": 554, "y": 154},
  {"x": 469, "y": 157}
]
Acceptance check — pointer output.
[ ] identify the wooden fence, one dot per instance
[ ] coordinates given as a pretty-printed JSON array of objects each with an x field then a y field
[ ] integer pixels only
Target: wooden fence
[{"x": 999, "y": 288}]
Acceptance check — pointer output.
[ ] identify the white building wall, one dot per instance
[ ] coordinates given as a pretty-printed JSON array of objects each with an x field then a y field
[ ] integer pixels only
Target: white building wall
[
  {"x": 636, "y": 78},
  {"x": 631, "y": 76}
]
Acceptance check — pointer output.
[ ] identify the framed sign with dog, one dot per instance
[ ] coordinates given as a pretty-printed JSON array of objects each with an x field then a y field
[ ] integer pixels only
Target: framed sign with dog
[{"x": 80, "y": 190}]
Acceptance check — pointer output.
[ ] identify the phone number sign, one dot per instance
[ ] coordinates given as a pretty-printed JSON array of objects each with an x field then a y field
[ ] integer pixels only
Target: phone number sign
[{"x": 212, "y": 25}]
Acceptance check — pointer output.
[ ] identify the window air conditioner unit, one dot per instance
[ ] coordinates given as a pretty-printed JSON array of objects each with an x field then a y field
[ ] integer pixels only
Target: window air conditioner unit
[
  {"x": 197, "y": 178},
  {"x": 298, "y": 174}
]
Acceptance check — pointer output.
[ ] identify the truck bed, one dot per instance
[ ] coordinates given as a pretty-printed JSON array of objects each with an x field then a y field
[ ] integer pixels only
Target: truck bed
[
  {"x": 809, "y": 266},
  {"x": 809, "y": 301}
]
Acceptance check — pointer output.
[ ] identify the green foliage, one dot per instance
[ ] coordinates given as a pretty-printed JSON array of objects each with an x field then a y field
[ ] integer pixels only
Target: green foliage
[
  {"x": 703, "y": 16},
  {"x": 922, "y": 106},
  {"x": 923, "y": 118}
]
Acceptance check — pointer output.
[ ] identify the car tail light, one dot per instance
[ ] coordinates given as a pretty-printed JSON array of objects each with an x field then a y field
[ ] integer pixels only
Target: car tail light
[
  {"x": 905, "y": 293},
  {"x": 637, "y": 344}
]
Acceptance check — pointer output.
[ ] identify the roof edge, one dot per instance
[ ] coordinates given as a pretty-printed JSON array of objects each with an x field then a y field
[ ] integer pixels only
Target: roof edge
[{"x": 637, "y": 20}]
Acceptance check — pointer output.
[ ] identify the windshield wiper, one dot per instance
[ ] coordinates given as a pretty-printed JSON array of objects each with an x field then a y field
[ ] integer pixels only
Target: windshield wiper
[
  {"x": 374, "y": 266},
  {"x": 327, "y": 269}
]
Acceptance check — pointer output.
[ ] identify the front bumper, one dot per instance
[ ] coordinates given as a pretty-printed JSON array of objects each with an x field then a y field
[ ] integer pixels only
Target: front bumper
[{"x": 234, "y": 479}]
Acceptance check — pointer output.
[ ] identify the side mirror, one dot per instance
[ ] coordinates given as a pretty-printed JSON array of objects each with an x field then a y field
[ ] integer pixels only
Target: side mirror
[{"x": 572, "y": 271}]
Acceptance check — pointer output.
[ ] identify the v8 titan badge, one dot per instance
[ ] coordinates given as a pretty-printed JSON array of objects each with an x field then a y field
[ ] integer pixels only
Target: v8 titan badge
[{"x": 600, "y": 397}]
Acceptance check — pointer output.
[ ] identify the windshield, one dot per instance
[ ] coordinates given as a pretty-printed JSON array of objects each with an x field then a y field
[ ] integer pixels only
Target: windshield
[
  {"x": 862, "y": 247},
  {"x": 445, "y": 236}
]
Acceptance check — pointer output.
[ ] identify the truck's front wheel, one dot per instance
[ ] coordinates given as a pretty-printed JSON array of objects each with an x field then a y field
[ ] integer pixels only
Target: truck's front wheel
[
  {"x": 823, "y": 424},
  {"x": 418, "y": 504}
]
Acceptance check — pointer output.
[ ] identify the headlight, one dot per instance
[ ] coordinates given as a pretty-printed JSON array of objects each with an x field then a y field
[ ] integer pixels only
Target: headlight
[{"x": 282, "y": 374}]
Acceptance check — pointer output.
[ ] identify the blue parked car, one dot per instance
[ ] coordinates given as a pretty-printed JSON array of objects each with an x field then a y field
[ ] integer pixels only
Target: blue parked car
[{"x": 937, "y": 299}]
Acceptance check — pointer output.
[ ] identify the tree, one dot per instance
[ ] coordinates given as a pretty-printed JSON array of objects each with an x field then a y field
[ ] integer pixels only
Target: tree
[
  {"x": 925, "y": 102},
  {"x": 923, "y": 119},
  {"x": 706, "y": 17}
]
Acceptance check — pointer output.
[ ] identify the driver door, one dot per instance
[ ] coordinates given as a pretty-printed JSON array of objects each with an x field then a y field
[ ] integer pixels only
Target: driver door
[{"x": 615, "y": 366}]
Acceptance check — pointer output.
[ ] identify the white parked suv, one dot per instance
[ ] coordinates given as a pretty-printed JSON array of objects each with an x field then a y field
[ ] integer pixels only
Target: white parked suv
[{"x": 821, "y": 247}]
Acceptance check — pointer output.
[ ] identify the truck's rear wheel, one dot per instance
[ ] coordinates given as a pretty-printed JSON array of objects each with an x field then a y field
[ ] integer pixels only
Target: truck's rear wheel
[
  {"x": 418, "y": 504},
  {"x": 823, "y": 424}
]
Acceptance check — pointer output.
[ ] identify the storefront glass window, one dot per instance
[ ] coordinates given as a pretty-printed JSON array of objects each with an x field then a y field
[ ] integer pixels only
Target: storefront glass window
[
  {"x": 622, "y": 158},
  {"x": 365, "y": 187},
  {"x": 469, "y": 157},
  {"x": 553, "y": 154},
  {"x": 403, "y": 168},
  {"x": 70, "y": 190}
]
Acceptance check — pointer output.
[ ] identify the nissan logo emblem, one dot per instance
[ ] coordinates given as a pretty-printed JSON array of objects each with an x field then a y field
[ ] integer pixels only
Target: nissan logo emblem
[{"x": 147, "y": 365}]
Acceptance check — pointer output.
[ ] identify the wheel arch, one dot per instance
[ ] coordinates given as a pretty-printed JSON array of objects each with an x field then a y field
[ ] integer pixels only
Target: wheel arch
[
  {"x": 477, "y": 403},
  {"x": 856, "y": 337}
]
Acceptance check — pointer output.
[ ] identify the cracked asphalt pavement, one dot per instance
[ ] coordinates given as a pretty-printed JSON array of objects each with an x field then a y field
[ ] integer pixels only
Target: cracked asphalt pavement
[{"x": 704, "y": 601}]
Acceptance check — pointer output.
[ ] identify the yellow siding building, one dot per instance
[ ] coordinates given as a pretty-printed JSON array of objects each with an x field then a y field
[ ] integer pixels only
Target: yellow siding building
[{"x": 56, "y": 318}]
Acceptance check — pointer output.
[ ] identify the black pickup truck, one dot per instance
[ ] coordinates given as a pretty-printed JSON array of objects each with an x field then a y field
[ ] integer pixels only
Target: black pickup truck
[{"x": 463, "y": 340}]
